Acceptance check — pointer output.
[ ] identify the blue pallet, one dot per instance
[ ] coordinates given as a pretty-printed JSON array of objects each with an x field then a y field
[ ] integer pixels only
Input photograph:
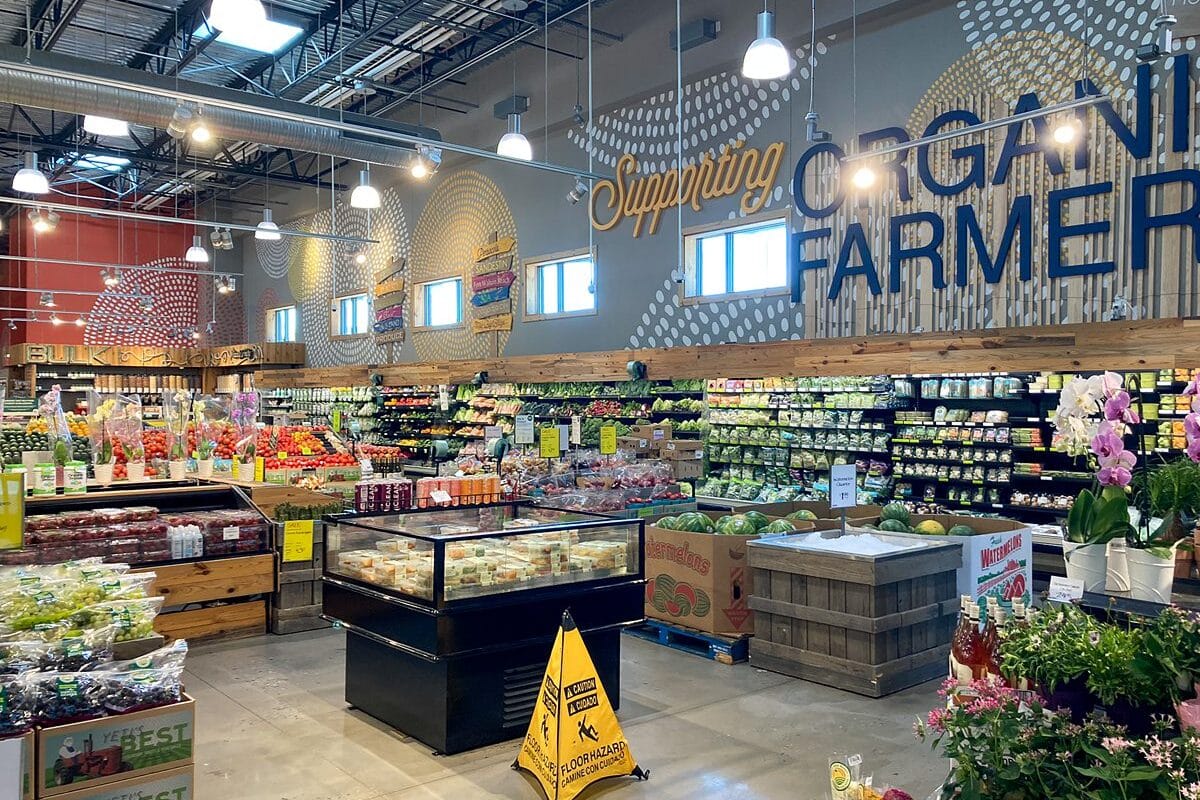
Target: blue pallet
[{"x": 727, "y": 650}]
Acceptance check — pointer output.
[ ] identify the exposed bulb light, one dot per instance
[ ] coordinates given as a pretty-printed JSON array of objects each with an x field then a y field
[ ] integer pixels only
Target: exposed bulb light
[
  {"x": 200, "y": 132},
  {"x": 226, "y": 284},
  {"x": 419, "y": 170},
  {"x": 514, "y": 144},
  {"x": 79, "y": 322},
  {"x": 864, "y": 178},
  {"x": 267, "y": 230},
  {"x": 47, "y": 300},
  {"x": 12, "y": 325},
  {"x": 360, "y": 258},
  {"x": 426, "y": 161},
  {"x": 195, "y": 335},
  {"x": 54, "y": 320},
  {"x": 105, "y": 126},
  {"x": 196, "y": 254},
  {"x": 228, "y": 15},
  {"x": 578, "y": 192},
  {"x": 221, "y": 239},
  {"x": 1067, "y": 133},
  {"x": 29, "y": 179},
  {"x": 766, "y": 58},
  {"x": 111, "y": 279},
  {"x": 364, "y": 195}
]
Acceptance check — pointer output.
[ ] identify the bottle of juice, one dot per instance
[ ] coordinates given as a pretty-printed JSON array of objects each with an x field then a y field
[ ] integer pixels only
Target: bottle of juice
[
  {"x": 996, "y": 626},
  {"x": 966, "y": 659}
]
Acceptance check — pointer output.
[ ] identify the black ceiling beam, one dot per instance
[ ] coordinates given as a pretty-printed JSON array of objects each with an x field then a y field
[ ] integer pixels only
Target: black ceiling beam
[
  {"x": 160, "y": 43},
  {"x": 37, "y": 13}
]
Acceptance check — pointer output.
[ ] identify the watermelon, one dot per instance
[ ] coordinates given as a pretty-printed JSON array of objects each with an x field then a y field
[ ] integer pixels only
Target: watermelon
[
  {"x": 896, "y": 511},
  {"x": 758, "y": 518},
  {"x": 931, "y": 527},
  {"x": 961, "y": 530},
  {"x": 780, "y": 526},
  {"x": 802, "y": 514},
  {"x": 741, "y": 525},
  {"x": 692, "y": 521},
  {"x": 723, "y": 523},
  {"x": 893, "y": 526},
  {"x": 668, "y": 522}
]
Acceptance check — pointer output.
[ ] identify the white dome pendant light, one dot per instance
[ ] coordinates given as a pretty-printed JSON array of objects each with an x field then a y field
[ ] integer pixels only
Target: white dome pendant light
[
  {"x": 766, "y": 58},
  {"x": 267, "y": 230},
  {"x": 514, "y": 144},
  {"x": 364, "y": 195},
  {"x": 196, "y": 254},
  {"x": 29, "y": 179}
]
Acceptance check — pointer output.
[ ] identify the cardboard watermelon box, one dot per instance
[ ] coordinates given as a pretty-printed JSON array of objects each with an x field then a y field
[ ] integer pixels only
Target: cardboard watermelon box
[
  {"x": 997, "y": 560},
  {"x": 172, "y": 784},
  {"x": 16, "y": 767},
  {"x": 699, "y": 580},
  {"x": 855, "y": 515}
]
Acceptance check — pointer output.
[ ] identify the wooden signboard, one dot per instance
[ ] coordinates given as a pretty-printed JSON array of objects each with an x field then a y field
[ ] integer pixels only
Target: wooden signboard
[
  {"x": 499, "y": 247},
  {"x": 501, "y": 322},
  {"x": 238, "y": 355}
]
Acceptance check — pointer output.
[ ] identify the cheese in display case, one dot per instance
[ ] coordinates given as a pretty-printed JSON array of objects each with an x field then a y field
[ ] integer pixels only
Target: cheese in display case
[{"x": 445, "y": 555}]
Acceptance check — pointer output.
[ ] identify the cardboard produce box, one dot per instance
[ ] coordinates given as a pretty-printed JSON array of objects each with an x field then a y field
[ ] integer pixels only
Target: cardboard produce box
[
  {"x": 655, "y": 433},
  {"x": 699, "y": 580},
  {"x": 858, "y": 514},
  {"x": 637, "y": 444},
  {"x": 681, "y": 446},
  {"x": 997, "y": 560},
  {"x": 17, "y": 752},
  {"x": 98, "y": 752},
  {"x": 172, "y": 784},
  {"x": 682, "y": 470}
]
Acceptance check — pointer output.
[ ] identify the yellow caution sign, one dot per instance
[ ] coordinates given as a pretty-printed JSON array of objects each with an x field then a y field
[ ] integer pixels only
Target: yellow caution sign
[{"x": 574, "y": 738}]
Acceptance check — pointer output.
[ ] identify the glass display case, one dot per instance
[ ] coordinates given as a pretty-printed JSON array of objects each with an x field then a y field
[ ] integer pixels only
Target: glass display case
[
  {"x": 450, "y": 614},
  {"x": 439, "y": 556}
]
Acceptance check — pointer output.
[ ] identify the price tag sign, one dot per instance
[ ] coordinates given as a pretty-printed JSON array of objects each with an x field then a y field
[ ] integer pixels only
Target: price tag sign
[
  {"x": 524, "y": 429},
  {"x": 260, "y": 469},
  {"x": 608, "y": 440},
  {"x": 12, "y": 510},
  {"x": 281, "y": 455},
  {"x": 367, "y": 468},
  {"x": 337, "y": 420},
  {"x": 843, "y": 486},
  {"x": 1065, "y": 590},
  {"x": 444, "y": 397},
  {"x": 548, "y": 443},
  {"x": 306, "y": 451},
  {"x": 564, "y": 437},
  {"x": 492, "y": 432},
  {"x": 440, "y": 496},
  {"x": 298, "y": 540},
  {"x": 576, "y": 430},
  {"x": 231, "y": 533}
]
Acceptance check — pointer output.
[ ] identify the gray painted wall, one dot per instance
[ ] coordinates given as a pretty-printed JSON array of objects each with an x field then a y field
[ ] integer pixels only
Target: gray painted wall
[{"x": 902, "y": 51}]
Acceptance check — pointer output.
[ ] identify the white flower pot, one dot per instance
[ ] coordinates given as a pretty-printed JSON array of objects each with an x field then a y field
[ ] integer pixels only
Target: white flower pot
[
  {"x": 1087, "y": 563},
  {"x": 136, "y": 470},
  {"x": 1150, "y": 577},
  {"x": 1117, "y": 570},
  {"x": 245, "y": 472},
  {"x": 177, "y": 470},
  {"x": 104, "y": 474},
  {"x": 204, "y": 468}
]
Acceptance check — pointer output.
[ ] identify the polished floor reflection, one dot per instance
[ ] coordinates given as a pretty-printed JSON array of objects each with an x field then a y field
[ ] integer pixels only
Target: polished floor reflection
[{"x": 273, "y": 726}]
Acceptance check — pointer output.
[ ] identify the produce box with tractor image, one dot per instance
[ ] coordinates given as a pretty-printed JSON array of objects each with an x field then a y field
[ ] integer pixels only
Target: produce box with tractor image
[
  {"x": 101, "y": 751},
  {"x": 696, "y": 573},
  {"x": 17, "y": 750},
  {"x": 172, "y": 784}
]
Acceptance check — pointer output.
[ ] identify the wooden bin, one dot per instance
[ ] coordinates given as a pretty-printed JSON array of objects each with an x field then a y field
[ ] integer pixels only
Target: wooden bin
[
  {"x": 869, "y": 624},
  {"x": 296, "y": 604}
]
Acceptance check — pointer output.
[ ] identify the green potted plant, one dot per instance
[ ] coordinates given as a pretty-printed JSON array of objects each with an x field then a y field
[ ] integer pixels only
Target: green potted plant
[
  {"x": 1172, "y": 488},
  {"x": 135, "y": 459}
]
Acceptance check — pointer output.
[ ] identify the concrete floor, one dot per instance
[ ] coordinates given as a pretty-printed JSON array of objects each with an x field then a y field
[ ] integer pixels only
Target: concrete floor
[{"x": 273, "y": 726}]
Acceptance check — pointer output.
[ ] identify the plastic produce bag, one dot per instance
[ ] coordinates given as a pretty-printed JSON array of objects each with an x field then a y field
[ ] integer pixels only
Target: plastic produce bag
[
  {"x": 63, "y": 697},
  {"x": 176, "y": 410},
  {"x": 77, "y": 651},
  {"x": 171, "y": 655},
  {"x": 140, "y": 689},
  {"x": 210, "y": 416},
  {"x": 132, "y": 619},
  {"x": 57, "y": 429},
  {"x": 18, "y": 704}
]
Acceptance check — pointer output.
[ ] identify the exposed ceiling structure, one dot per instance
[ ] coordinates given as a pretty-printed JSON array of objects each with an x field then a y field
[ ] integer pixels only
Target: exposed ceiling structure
[{"x": 371, "y": 57}]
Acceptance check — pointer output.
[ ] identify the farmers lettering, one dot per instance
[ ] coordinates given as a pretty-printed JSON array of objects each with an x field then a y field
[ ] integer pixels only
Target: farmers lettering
[{"x": 749, "y": 170}]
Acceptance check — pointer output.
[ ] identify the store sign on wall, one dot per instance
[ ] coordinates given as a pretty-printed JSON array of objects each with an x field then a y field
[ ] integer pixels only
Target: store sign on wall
[
  {"x": 389, "y": 302},
  {"x": 974, "y": 171},
  {"x": 738, "y": 169},
  {"x": 491, "y": 279}
]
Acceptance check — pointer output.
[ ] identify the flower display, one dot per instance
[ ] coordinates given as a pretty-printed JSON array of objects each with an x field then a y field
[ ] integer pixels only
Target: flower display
[
  {"x": 1191, "y": 423},
  {"x": 57, "y": 428},
  {"x": 243, "y": 413},
  {"x": 177, "y": 408}
]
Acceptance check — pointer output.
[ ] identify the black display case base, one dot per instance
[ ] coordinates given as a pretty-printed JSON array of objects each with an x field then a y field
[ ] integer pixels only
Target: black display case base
[{"x": 466, "y": 701}]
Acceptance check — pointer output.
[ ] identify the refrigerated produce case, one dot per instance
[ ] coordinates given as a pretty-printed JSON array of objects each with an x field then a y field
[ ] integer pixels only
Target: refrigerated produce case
[{"x": 451, "y": 613}]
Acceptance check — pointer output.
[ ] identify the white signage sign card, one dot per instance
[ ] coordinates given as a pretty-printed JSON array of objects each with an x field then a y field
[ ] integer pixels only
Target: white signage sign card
[
  {"x": 1065, "y": 590},
  {"x": 843, "y": 486},
  {"x": 524, "y": 429}
]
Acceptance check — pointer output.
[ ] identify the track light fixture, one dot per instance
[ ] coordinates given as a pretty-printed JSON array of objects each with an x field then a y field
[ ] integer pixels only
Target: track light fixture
[
  {"x": 221, "y": 239},
  {"x": 47, "y": 300},
  {"x": 181, "y": 122},
  {"x": 80, "y": 322},
  {"x": 200, "y": 131},
  {"x": 364, "y": 195},
  {"x": 54, "y": 320},
  {"x": 226, "y": 284},
  {"x": 146, "y": 303},
  {"x": 578, "y": 192},
  {"x": 864, "y": 177},
  {"x": 12, "y": 326},
  {"x": 195, "y": 334},
  {"x": 112, "y": 278},
  {"x": 1068, "y": 131},
  {"x": 426, "y": 161},
  {"x": 766, "y": 58},
  {"x": 267, "y": 230},
  {"x": 29, "y": 179},
  {"x": 196, "y": 254},
  {"x": 43, "y": 221}
]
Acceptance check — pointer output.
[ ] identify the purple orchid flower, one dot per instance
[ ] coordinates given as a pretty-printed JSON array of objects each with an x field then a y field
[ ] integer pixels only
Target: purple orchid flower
[
  {"x": 1106, "y": 443},
  {"x": 1191, "y": 426},
  {"x": 1117, "y": 407},
  {"x": 1114, "y": 476},
  {"x": 1193, "y": 388},
  {"x": 1193, "y": 449}
]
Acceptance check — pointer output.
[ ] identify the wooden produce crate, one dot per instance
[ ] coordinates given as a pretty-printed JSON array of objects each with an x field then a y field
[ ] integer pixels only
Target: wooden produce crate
[
  {"x": 234, "y": 582},
  {"x": 869, "y": 624},
  {"x": 296, "y": 603}
]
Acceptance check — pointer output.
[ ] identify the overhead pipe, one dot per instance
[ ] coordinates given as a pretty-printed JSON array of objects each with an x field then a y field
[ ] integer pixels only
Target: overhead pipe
[{"x": 59, "y": 262}]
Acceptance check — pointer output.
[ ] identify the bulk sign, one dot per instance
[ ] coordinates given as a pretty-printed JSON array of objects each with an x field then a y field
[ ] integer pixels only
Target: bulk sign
[{"x": 952, "y": 241}]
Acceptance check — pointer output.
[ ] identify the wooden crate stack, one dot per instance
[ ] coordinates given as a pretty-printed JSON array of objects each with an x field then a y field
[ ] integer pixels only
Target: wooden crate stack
[
  {"x": 296, "y": 604},
  {"x": 868, "y": 624}
]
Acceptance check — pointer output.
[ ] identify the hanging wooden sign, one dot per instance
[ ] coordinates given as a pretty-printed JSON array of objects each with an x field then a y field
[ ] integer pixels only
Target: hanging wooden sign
[
  {"x": 502, "y": 322},
  {"x": 495, "y": 248}
]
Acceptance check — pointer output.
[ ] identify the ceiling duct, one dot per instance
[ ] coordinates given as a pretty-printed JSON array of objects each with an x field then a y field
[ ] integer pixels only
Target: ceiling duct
[{"x": 78, "y": 86}]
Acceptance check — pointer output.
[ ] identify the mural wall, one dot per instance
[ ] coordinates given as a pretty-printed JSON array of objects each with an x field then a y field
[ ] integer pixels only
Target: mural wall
[{"x": 975, "y": 58}]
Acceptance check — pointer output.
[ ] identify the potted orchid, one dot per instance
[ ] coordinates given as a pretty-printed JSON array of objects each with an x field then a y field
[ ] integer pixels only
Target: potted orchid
[
  {"x": 243, "y": 413},
  {"x": 126, "y": 428},
  {"x": 177, "y": 407},
  {"x": 100, "y": 421},
  {"x": 1093, "y": 417},
  {"x": 135, "y": 459},
  {"x": 208, "y": 413}
]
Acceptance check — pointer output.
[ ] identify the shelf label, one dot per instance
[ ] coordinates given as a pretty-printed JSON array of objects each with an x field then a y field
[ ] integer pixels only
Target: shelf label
[
  {"x": 231, "y": 533},
  {"x": 842, "y": 486},
  {"x": 576, "y": 430},
  {"x": 548, "y": 443},
  {"x": 564, "y": 438},
  {"x": 298, "y": 540},
  {"x": 1065, "y": 590},
  {"x": 440, "y": 496},
  {"x": 524, "y": 429},
  {"x": 608, "y": 440},
  {"x": 337, "y": 420},
  {"x": 444, "y": 397}
]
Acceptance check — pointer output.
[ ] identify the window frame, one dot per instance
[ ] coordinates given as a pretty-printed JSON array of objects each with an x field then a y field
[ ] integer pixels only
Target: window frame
[
  {"x": 272, "y": 327},
  {"x": 532, "y": 268},
  {"x": 420, "y": 311},
  {"x": 691, "y": 250},
  {"x": 335, "y": 315}
]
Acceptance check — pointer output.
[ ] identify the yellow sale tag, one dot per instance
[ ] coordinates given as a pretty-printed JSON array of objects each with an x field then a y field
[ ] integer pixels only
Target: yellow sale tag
[
  {"x": 608, "y": 440},
  {"x": 548, "y": 443},
  {"x": 281, "y": 455},
  {"x": 298, "y": 540},
  {"x": 260, "y": 469},
  {"x": 12, "y": 511},
  {"x": 306, "y": 451}
]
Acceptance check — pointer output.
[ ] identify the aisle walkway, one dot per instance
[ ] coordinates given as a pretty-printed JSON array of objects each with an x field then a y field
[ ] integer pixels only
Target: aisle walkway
[{"x": 273, "y": 726}]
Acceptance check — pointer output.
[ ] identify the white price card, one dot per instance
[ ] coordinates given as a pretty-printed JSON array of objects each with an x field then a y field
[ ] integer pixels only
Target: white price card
[
  {"x": 367, "y": 468},
  {"x": 440, "y": 496},
  {"x": 444, "y": 397},
  {"x": 491, "y": 432},
  {"x": 1065, "y": 590},
  {"x": 564, "y": 437},
  {"x": 12, "y": 769},
  {"x": 232, "y": 533},
  {"x": 525, "y": 429},
  {"x": 576, "y": 430},
  {"x": 843, "y": 488}
]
